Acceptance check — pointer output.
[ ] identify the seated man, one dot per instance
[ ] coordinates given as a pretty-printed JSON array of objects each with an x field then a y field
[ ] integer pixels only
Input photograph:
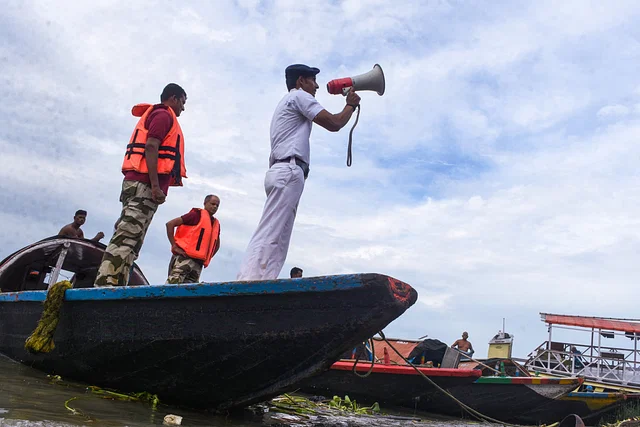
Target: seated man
[
  {"x": 73, "y": 229},
  {"x": 464, "y": 345}
]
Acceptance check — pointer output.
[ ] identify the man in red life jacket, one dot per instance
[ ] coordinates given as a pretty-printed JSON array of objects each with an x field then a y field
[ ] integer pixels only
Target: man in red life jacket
[
  {"x": 194, "y": 243},
  {"x": 153, "y": 162}
]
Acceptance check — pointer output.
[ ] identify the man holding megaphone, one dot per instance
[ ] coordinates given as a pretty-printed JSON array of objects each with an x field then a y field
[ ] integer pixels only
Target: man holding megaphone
[{"x": 288, "y": 169}]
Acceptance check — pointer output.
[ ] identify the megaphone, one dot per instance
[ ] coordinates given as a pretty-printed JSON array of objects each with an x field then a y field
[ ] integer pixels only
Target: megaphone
[{"x": 373, "y": 80}]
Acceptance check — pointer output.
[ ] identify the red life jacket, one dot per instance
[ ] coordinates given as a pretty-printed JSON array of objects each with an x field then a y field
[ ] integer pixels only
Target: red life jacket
[
  {"x": 170, "y": 152},
  {"x": 199, "y": 241}
]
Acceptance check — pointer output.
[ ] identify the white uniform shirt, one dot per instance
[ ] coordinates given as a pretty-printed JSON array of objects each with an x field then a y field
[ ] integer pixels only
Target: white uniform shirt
[{"x": 291, "y": 126}]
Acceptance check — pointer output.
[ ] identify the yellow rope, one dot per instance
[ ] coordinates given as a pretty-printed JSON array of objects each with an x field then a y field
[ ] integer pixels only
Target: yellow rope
[{"x": 41, "y": 340}]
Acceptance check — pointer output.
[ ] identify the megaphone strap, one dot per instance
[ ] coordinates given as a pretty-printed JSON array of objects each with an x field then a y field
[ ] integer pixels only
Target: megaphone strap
[{"x": 349, "y": 159}]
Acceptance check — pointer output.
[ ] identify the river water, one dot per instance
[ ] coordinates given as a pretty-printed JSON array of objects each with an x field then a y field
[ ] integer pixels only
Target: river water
[{"x": 30, "y": 398}]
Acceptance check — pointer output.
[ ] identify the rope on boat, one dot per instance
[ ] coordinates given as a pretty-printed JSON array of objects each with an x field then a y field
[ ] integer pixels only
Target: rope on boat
[
  {"x": 462, "y": 353},
  {"x": 479, "y": 416},
  {"x": 373, "y": 360},
  {"x": 41, "y": 340}
]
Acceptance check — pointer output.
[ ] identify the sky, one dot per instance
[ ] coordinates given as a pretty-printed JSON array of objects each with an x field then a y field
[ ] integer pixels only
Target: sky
[{"x": 498, "y": 174}]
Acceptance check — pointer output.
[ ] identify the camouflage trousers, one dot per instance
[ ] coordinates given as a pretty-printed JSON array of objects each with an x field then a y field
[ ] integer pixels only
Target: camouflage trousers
[
  {"x": 138, "y": 209},
  {"x": 183, "y": 269}
]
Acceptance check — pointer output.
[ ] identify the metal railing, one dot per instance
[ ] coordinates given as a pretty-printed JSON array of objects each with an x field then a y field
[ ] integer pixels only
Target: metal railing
[{"x": 607, "y": 365}]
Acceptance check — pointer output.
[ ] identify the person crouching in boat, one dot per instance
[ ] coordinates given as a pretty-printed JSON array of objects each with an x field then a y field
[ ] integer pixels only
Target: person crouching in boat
[
  {"x": 153, "y": 161},
  {"x": 194, "y": 243}
]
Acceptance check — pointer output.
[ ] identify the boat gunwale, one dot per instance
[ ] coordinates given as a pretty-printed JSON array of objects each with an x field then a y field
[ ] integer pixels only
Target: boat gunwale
[
  {"x": 319, "y": 284},
  {"x": 379, "y": 368}
]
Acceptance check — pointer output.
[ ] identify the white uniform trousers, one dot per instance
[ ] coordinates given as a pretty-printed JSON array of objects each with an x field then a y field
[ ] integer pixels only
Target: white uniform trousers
[{"x": 267, "y": 250}]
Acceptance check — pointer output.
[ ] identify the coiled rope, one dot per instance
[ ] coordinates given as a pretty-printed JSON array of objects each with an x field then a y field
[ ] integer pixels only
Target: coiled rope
[
  {"x": 41, "y": 340},
  {"x": 373, "y": 360}
]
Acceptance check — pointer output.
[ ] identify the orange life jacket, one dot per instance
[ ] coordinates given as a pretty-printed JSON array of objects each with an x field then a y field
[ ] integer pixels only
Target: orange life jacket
[
  {"x": 199, "y": 241},
  {"x": 170, "y": 152}
]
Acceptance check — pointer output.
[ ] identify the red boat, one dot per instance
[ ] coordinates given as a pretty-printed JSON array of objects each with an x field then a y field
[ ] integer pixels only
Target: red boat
[{"x": 517, "y": 399}]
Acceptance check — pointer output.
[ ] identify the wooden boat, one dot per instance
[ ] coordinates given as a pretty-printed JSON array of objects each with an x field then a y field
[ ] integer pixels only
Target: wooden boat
[
  {"x": 396, "y": 385},
  {"x": 519, "y": 400},
  {"x": 590, "y": 406},
  {"x": 508, "y": 399},
  {"x": 205, "y": 345}
]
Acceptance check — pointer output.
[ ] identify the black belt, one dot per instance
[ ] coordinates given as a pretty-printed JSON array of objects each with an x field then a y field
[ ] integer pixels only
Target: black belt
[{"x": 303, "y": 165}]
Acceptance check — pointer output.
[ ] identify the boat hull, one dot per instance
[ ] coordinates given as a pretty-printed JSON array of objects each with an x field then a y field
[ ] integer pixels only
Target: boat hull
[
  {"x": 387, "y": 384},
  {"x": 213, "y": 346},
  {"x": 591, "y": 407},
  {"x": 521, "y": 400}
]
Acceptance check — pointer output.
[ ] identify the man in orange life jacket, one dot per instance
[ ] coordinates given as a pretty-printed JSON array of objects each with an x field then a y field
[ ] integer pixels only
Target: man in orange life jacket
[
  {"x": 153, "y": 162},
  {"x": 195, "y": 242}
]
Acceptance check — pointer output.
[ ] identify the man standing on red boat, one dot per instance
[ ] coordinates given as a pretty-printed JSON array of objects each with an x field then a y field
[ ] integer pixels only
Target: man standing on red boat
[{"x": 463, "y": 344}]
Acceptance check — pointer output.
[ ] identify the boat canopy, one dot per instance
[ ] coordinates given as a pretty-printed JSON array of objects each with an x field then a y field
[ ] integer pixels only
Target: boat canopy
[
  {"x": 605, "y": 323},
  {"x": 37, "y": 266}
]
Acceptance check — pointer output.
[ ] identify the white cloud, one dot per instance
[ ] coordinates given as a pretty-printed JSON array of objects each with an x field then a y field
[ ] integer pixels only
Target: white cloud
[{"x": 613, "y": 111}]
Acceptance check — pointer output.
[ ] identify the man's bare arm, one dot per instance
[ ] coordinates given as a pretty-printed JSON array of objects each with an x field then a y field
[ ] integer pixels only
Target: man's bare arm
[
  {"x": 217, "y": 248},
  {"x": 171, "y": 226},
  {"x": 151, "y": 156},
  {"x": 98, "y": 236},
  {"x": 335, "y": 122}
]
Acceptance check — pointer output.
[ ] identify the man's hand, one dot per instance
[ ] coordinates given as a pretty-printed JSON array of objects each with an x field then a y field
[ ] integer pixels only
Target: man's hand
[
  {"x": 335, "y": 122},
  {"x": 353, "y": 98},
  {"x": 158, "y": 195},
  {"x": 178, "y": 250},
  {"x": 98, "y": 236}
]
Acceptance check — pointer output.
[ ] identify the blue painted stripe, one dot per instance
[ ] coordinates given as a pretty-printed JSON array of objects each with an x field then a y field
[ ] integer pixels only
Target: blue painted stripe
[
  {"x": 312, "y": 284},
  {"x": 587, "y": 394}
]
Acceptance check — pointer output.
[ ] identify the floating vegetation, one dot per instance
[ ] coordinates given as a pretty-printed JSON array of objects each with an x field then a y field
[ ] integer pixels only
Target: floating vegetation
[
  {"x": 626, "y": 415},
  {"x": 351, "y": 406},
  {"x": 54, "y": 378},
  {"x": 143, "y": 396},
  {"x": 298, "y": 405},
  {"x": 289, "y": 411},
  {"x": 630, "y": 422}
]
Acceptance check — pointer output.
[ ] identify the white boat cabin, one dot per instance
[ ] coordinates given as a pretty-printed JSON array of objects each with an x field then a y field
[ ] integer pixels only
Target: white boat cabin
[{"x": 608, "y": 355}]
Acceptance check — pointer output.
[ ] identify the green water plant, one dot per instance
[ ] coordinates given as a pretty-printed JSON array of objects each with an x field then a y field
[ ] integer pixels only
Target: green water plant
[
  {"x": 349, "y": 405},
  {"x": 301, "y": 406},
  {"x": 142, "y": 396}
]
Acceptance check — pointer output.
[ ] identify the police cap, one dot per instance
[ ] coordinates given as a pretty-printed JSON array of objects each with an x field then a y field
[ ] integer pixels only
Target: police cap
[{"x": 300, "y": 70}]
